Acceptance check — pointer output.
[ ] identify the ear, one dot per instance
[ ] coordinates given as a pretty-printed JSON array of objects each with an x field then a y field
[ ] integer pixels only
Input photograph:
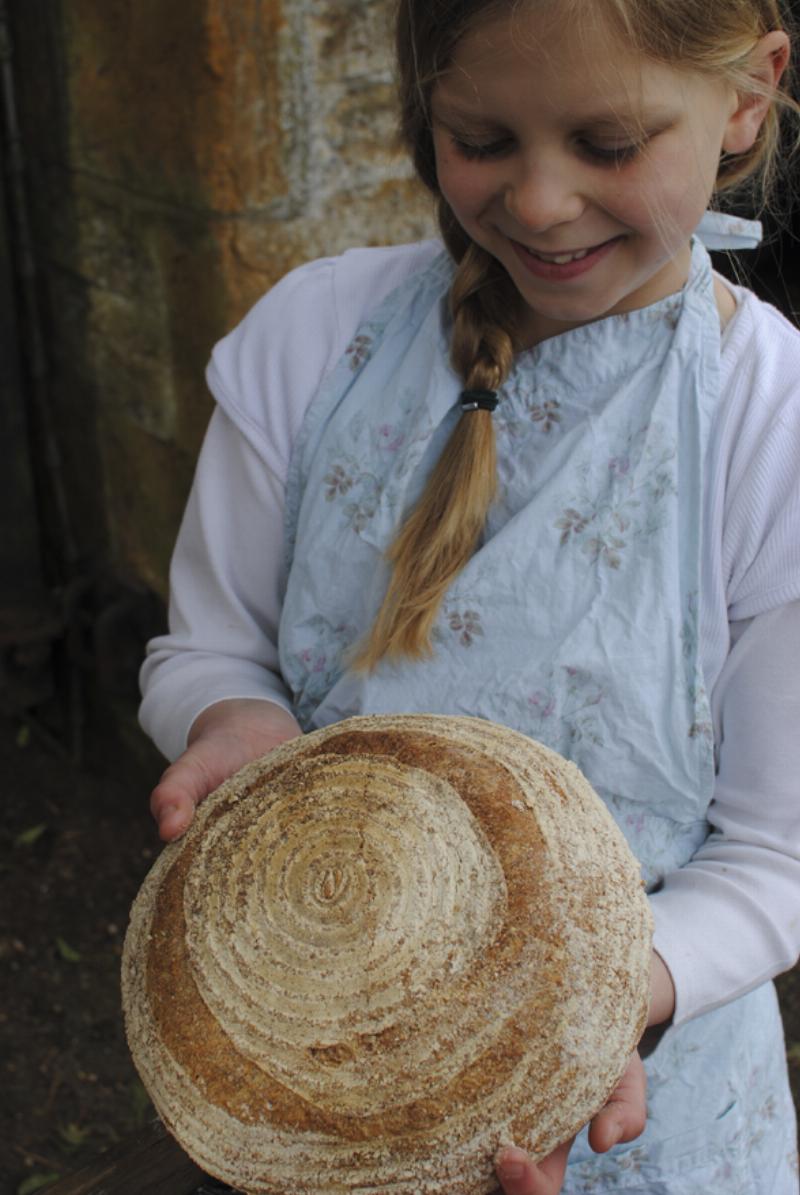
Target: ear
[{"x": 767, "y": 62}]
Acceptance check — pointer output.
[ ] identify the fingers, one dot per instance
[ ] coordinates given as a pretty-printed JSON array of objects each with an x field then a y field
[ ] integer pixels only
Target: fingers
[
  {"x": 520, "y": 1176},
  {"x": 624, "y": 1116},
  {"x": 180, "y": 790},
  {"x": 222, "y": 739},
  {"x": 173, "y": 812}
]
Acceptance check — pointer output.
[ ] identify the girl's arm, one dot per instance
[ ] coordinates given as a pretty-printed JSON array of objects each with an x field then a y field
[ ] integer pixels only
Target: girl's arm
[
  {"x": 728, "y": 922},
  {"x": 225, "y": 594},
  {"x": 227, "y": 571},
  {"x": 213, "y": 696}
]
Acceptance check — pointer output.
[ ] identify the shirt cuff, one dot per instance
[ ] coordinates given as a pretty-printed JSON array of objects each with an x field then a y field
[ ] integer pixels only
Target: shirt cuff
[
  {"x": 170, "y": 708},
  {"x": 716, "y": 956}
]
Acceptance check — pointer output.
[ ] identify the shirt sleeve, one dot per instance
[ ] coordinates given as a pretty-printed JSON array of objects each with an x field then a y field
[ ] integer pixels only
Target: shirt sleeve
[
  {"x": 730, "y": 919},
  {"x": 225, "y": 593},
  {"x": 760, "y": 539},
  {"x": 227, "y": 572},
  {"x": 226, "y": 575}
]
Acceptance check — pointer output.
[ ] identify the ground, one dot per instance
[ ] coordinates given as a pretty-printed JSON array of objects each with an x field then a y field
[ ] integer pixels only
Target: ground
[
  {"x": 75, "y": 844},
  {"x": 74, "y": 848}
]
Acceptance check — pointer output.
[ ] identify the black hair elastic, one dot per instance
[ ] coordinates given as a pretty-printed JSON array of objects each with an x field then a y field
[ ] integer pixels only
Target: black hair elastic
[{"x": 478, "y": 400}]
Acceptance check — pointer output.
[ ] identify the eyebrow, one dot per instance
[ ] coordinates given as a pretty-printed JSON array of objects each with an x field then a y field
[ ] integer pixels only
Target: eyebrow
[{"x": 451, "y": 112}]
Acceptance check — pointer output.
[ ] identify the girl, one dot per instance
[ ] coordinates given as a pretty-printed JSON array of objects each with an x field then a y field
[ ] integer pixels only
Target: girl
[{"x": 545, "y": 474}]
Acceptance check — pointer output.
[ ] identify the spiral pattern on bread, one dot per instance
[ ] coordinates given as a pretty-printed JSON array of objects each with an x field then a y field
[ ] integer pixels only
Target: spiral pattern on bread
[{"x": 382, "y": 951}]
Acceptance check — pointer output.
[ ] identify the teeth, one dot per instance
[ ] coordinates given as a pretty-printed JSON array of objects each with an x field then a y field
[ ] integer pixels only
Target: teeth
[{"x": 561, "y": 259}]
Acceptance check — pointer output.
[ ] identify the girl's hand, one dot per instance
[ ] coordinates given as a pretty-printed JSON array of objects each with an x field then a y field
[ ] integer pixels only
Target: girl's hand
[
  {"x": 622, "y": 1118},
  {"x": 223, "y": 739}
]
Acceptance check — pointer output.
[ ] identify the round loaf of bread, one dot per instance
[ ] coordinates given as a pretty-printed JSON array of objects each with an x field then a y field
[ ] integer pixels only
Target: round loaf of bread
[{"x": 382, "y": 951}]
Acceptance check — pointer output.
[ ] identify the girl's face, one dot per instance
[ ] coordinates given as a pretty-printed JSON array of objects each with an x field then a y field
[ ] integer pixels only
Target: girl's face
[{"x": 583, "y": 169}]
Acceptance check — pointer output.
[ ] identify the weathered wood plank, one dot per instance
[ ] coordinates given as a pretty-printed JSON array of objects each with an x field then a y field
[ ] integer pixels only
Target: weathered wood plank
[{"x": 149, "y": 1162}]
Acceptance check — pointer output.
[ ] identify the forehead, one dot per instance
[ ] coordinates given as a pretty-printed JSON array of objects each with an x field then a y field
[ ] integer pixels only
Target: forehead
[
  {"x": 577, "y": 66},
  {"x": 538, "y": 27}
]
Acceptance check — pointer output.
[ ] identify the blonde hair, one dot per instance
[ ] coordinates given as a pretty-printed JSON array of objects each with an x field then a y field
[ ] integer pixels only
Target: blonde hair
[{"x": 714, "y": 37}]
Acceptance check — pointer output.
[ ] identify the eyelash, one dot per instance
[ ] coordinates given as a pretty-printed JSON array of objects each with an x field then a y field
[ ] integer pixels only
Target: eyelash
[{"x": 616, "y": 156}]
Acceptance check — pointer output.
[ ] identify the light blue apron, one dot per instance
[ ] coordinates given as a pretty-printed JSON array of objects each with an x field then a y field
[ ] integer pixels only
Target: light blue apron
[{"x": 575, "y": 622}]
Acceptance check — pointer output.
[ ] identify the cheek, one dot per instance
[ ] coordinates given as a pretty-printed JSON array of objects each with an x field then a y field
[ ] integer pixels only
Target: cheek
[
  {"x": 664, "y": 199},
  {"x": 458, "y": 192},
  {"x": 634, "y": 200},
  {"x": 464, "y": 188}
]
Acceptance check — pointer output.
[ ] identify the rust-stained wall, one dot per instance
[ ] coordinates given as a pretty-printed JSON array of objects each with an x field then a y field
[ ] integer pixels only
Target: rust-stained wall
[{"x": 182, "y": 157}]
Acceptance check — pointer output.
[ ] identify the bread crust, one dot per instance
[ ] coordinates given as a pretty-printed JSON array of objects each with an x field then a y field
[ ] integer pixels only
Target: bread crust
[{"x": 382, "y": 951}]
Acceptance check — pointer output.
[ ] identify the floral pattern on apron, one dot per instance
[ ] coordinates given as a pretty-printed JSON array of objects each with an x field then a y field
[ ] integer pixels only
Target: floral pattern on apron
[{"x": 575, "y": 622}]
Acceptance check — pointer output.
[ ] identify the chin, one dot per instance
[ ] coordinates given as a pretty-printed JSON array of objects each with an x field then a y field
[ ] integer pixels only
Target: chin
[{"x": 572, "y": 314}]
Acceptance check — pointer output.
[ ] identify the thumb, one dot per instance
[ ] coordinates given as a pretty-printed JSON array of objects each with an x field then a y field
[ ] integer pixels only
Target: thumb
[
  {"x": 624, "y": 1116},
  {"x": 183, "y": 786},
  {"x": 519, "y": 1175}
]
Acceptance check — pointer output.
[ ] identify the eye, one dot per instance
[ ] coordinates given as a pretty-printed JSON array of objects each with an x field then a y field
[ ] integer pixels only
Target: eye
[
  {"x": 613, "y": 155},
  {"x": 480, "y": 150}
]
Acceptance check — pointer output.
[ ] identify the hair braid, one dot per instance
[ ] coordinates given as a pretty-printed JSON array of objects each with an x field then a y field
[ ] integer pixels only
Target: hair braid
[{"x": 442, "y": 531}]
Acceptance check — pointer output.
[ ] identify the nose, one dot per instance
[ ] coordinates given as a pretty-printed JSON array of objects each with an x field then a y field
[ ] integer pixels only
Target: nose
[{"x": 542, "y": 193}]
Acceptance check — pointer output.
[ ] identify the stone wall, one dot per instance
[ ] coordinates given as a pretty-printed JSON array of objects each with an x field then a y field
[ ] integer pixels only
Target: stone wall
[{"x": 182, "y": 157}]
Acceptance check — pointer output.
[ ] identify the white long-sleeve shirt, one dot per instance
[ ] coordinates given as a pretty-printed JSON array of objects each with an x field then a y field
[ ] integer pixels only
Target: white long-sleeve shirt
[{"x": 728, "y": 920}]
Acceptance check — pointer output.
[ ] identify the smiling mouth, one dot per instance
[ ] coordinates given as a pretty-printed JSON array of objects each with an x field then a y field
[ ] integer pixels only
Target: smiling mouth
[{"x": 564, "y": 258}]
